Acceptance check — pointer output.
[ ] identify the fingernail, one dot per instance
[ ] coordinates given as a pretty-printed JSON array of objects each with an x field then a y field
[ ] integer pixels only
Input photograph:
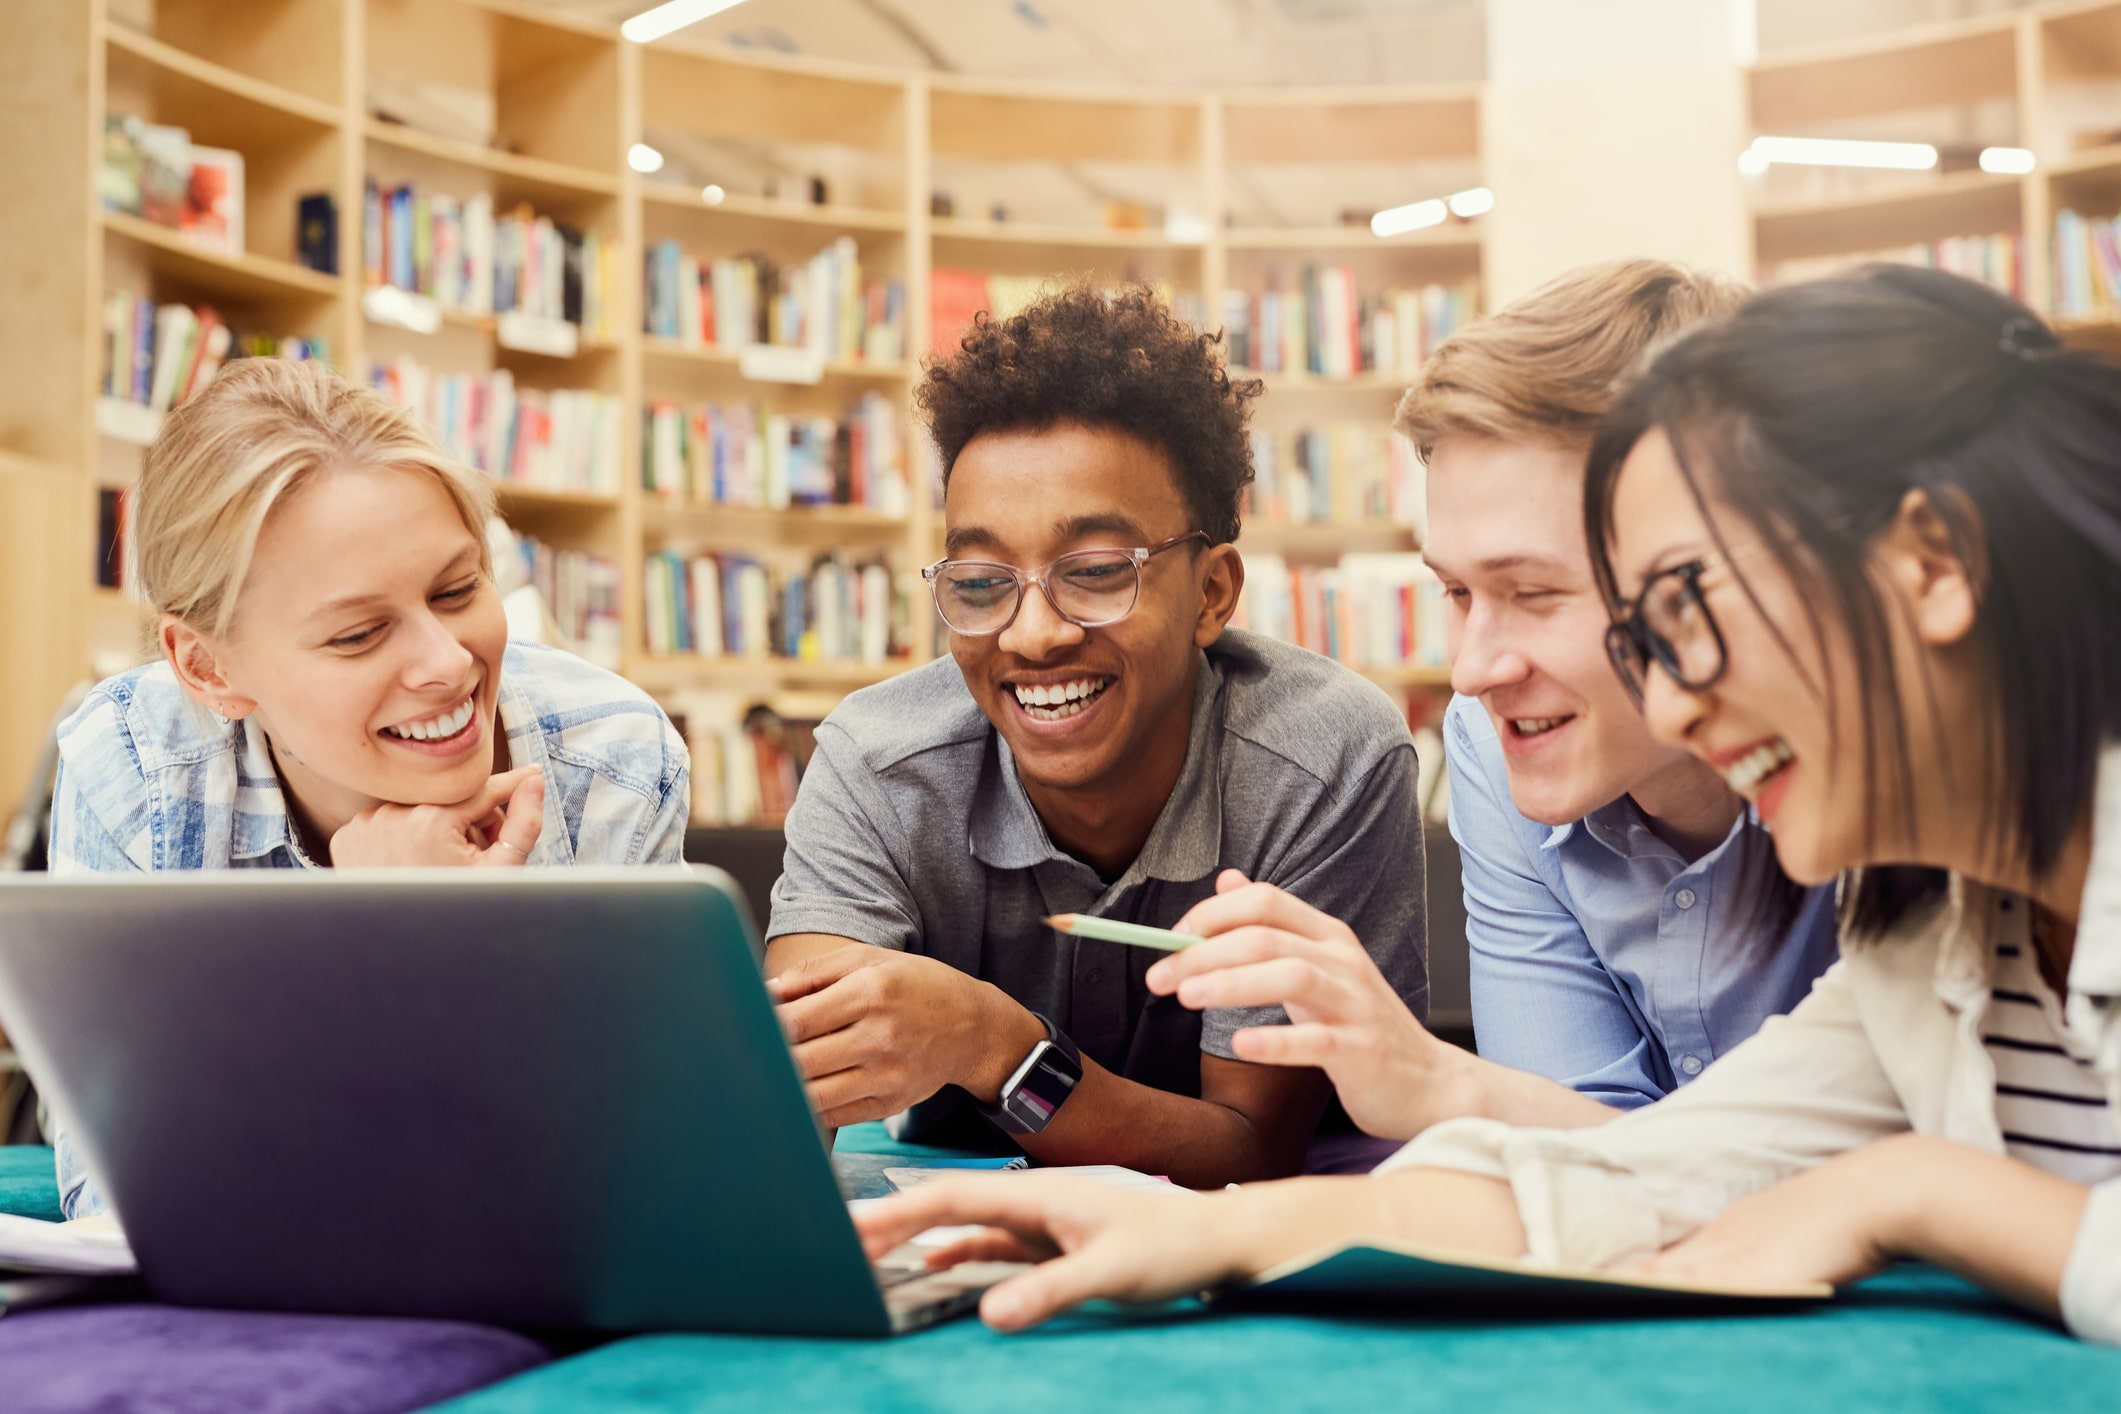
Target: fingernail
[
  {"x": 1004, "y": 1309},
  {"x": 1157, "y": 976}
]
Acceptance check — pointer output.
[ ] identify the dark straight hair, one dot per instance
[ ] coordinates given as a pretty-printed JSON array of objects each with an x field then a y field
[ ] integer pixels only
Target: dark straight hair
[{"x": 1811, "y": 413}]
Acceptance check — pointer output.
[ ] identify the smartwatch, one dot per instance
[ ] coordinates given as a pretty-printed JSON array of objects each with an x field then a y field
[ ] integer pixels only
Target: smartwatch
[{"x": 1037, "y": 1089}]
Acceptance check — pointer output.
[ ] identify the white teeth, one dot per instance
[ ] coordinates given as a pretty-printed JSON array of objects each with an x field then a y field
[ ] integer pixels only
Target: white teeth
[
  {"x": 1533, "y": 726},
  {"x": 1050, "y": 702},
  {"x": 1746, "y": 774},
  {"x": 437, "y": 728}
]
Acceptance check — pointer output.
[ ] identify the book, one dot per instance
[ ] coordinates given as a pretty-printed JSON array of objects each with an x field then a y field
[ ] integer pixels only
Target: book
[
  {"x": 1372, "y": 1272},
  {"x": 1327, "y": 326},
  {"x": 213, "y": 200},
  {"x": 317, "y": 232},
  {"x": 118, "y": 179},
  {"x": 165, "y": 172}
]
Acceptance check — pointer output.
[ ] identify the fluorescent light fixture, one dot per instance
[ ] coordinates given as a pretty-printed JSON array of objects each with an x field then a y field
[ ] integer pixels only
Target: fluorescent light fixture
[
  {"x": 1751, "y": 163},
  {"x": 1402, "y": 219},
  {"x": 643, "y": 158},
  {"x": 2008, "y": 161},
  {"x": 1476, "y": 201},
  {"x": 1835, "y": 152},
  {"x": 651, "y": 25},
  {"x": 712, "y": 193}
]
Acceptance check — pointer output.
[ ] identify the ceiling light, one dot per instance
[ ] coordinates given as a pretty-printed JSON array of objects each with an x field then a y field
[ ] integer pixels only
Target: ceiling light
[
  {"x": 651, "y": 25},
  {"x": 2008, "y": 161},
  {"x": 1476, "y": 201},
  {"x": 1402, "y": 219},
  {"x": 643, "y": 158},
  {"x": 1834, "y": 152},
  {"x": 712, "y": 193},
  {"x": 1752, "y": 162}
]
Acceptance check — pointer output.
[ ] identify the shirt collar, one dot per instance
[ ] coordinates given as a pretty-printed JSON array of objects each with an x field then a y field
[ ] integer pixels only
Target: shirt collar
[
  {"x": 1620, "y": 827},
  {"x": 261, "y": 823},
  {"x": 1004, "y": 830},
  {"x": 523, "y": 728}
]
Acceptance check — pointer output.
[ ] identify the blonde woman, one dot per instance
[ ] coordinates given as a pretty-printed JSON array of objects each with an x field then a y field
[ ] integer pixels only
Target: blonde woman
[{"x": 335, "y": 684}]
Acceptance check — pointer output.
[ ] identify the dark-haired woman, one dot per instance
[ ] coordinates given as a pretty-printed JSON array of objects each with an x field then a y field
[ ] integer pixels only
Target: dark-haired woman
[{"x": 1864, "y": 547}]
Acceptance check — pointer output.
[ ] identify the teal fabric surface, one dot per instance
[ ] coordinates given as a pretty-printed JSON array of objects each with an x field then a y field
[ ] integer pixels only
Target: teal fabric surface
[
  {"x": 1914, "y": 1339},
  {"x": 29, "y": 1186}
]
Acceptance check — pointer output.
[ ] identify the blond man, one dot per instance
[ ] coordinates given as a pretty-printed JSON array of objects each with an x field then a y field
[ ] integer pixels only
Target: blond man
[{"x": 1627, "y": 921}]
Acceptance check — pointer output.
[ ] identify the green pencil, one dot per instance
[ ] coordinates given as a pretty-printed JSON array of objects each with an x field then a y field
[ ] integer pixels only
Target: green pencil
[{"x": 1111, "y": 930}]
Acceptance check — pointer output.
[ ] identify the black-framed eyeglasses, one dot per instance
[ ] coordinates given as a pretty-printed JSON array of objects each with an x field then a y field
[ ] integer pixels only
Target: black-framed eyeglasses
[
  {"x": 1670, "y": 624},
  {"x": 1088, "y": 588}
]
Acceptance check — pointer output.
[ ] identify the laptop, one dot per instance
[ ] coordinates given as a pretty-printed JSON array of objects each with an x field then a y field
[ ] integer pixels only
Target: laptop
[{"x": 540, "y": 1098}]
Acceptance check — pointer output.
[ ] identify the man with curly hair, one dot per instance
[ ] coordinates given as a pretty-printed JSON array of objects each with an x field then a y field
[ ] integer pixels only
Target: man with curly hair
[{"x": 1098, "y": 743}]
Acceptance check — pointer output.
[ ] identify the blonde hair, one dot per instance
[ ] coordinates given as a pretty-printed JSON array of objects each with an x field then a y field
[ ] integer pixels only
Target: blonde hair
[
  {"x": 1546, "y": 368},
  {"x": 258, "y": 431}
]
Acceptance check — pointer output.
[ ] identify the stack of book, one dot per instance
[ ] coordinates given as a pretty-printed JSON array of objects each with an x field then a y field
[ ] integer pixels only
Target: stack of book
[
  {"x": 469, "y": 259},
  {"x": 956, "y": 297},
  {"x": 739, "y": 455},
  {"x": 1326, "y": 327},
  {"x": 1368, "y": 611},
  {"x": 1342, "y": 473},
  {"x": 156, "y": 356},
  {"x": 581, "y": 591},
  {"x": 156, "y": 172},
  {"x": 714, "y": 606},
  {"x": 2087, "y": 266},
  {"x": 568, "y": 440},
  {"x": 823, "y": 305},
  {"x": 1997, "y": 261}
]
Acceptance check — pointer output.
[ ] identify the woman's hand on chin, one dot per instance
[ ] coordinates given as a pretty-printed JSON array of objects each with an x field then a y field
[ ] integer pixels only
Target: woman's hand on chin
[{"x": 496, "y": 827}]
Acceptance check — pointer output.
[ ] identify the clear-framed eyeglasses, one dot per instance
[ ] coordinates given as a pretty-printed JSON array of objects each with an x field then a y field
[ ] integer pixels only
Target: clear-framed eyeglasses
[{"x": 1088, "y": 588}]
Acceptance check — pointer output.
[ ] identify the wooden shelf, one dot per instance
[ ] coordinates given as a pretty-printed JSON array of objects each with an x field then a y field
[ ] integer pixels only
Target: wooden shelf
[
  {"x": 854, "y": 218},
  {"x": 266, "y": 102},
  {"x": 534, "y": 174},
  {"x": 804, "y": 522},
  {"x": 1963, "y": 204},
  {"x": 731, "y": 359},
  {"x": 243, "y": 276},
  {"x": 2104, "y": 161},
  {"x": 1457, "y": 236},
  {"x": 1409, "y": 677},
  {"x": 672, "y": 673},
  {"x": 489, "y": 326},
  {"x": 108, "y": 601},
  {"x": 1326, "y": 539},
  {"x": 1931, "y": 66},
  {"x": 1318, "y": 383},
  {"x": 515, "y": 493},
  {"x": 1013, "y": 233}
]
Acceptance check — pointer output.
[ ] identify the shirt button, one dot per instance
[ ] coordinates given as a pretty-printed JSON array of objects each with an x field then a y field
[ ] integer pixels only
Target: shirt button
[
  {"x": 1690, "y": 1064},
  {"x": 1096, "y": 976},
  {"x": 1686, "y": 898}
]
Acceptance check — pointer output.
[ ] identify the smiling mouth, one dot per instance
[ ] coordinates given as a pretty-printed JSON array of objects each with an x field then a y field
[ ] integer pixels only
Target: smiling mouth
[
  {"x": 1054, "y": 702},
  {"x": 1536, "y": 726},
  {"x": 440, "y": 727},
  {"x": 1752, "y": 771}
]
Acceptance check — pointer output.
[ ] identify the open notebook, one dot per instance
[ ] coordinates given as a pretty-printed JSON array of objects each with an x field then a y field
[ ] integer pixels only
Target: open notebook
[{"x": 1378, "y": 1273}]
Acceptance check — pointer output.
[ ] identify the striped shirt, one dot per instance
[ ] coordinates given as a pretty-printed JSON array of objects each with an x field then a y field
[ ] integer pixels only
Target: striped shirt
[
  {"x": 148, "y": 780},
  {"x": 2050, "y": 1104}
]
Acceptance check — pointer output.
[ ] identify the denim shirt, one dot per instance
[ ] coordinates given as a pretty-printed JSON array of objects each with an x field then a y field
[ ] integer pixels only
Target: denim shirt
[
  {"x": 148, "y": 780},
  {"x": 1601, "y": 958}
]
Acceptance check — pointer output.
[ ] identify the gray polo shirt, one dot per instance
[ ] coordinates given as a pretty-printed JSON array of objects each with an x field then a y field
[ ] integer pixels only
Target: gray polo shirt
[{"x": 912, "y": 831}]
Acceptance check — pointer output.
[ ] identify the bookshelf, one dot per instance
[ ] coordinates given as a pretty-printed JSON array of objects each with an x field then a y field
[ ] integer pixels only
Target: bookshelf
[
  {"x": 2045, "y": 78},
  {"x": 784, "y": 159}
]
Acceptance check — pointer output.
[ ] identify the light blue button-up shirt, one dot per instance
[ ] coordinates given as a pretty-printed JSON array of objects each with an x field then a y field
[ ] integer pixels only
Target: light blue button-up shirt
[{"x": 1600, "y": 957}]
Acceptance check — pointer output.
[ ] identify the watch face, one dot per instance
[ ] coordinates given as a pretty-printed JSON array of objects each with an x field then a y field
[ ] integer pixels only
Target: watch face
[{"x": 1048, "y": 1080}]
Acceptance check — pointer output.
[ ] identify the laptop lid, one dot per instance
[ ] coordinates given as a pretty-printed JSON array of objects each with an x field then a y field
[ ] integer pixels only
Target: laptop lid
[{"x": 535, "y": 1097}]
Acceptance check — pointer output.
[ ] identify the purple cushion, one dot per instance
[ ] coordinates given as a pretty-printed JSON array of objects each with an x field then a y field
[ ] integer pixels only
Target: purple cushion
[{"x": 177, "y": 1360}]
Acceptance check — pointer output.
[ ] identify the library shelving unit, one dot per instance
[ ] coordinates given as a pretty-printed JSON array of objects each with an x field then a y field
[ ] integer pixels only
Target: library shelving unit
[
  {"x": 332, "y": 96},
  {"x": 2046, "y": 79}
]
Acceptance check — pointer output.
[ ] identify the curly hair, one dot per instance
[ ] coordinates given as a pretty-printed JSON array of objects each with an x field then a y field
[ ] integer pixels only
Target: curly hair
[{"x": 1121, "y": 361}]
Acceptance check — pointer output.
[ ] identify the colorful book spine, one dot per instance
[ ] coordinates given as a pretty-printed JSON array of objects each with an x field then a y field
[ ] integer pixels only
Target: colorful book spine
[
  {"x": 565, "y": 440},
  {"x": 1383, "y": 611},
  {"x": 824, "y": 305},
  {"x": 470, "y": 259},
  {"x": 745, "y": 456},
  {"x": 1341, "y": 473},
  {"x": 1326, "y": 326},
  {"x": 728, "y": 605}
]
